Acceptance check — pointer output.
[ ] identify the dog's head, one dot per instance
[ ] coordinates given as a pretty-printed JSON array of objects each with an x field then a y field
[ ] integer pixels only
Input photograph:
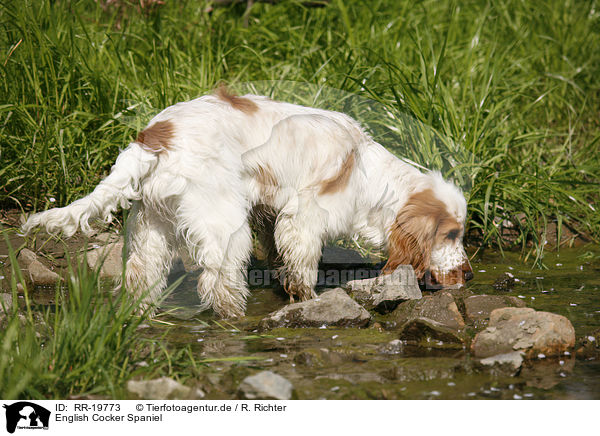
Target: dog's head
[{"x": 428, "y": 234}]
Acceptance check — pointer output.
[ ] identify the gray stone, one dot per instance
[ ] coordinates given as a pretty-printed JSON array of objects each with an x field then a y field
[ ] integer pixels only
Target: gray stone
[
  {"x": 508, "y": 362},
  {"x": 5, "y": 306},
  {"x": 331, "y": 308},
  {"x": 439, "y": 307},
  {"x": 38, "y": 273},
  {"x": 266, "y": 385},
  {"x": 111, "y": 257},
  {"x": 107, "y": 237},
  {"x": 426, "y": 332},
  {"x": 523, "y": 329},
  {"x": 386, "y": 289},
  {"x": 163, "y": 388},
  {"x": 432, "y": 321},
  {"x": 479, "y": 307},
  {"x": 6, "y": 302},
  {"x": 26, "y": 256}
]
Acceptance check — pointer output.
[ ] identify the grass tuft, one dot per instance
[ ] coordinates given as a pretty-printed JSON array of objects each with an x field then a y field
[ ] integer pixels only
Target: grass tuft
[{"x": 87, "y": 344}]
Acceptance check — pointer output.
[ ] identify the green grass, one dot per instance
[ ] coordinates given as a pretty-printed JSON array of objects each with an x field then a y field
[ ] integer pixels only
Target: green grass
[
  {"x": 86, "y": 344},
  {"x": 501, "y": 95}
]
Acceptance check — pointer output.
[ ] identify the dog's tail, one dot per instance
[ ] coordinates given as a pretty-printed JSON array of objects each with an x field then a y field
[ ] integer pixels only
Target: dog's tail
[{"x": 122, "y": 185}]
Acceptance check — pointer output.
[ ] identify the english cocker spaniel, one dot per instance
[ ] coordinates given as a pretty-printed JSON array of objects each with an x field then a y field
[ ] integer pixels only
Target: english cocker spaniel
[{"x": 203, "y": 171}]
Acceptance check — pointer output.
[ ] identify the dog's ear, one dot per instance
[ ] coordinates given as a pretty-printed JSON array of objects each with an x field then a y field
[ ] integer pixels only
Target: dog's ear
[{"x": 413, "y": 233}]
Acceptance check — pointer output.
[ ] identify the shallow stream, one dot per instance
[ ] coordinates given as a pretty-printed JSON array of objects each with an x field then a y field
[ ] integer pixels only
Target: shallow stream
[{"x": 351, "y": 363}]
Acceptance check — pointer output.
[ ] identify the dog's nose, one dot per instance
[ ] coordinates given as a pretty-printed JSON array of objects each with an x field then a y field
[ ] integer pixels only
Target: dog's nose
[{"x": 467, "y": 270}]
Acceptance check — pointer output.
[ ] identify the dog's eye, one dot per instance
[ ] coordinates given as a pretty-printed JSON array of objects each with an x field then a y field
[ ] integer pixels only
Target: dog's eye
[{"x": 452, "y": 234}]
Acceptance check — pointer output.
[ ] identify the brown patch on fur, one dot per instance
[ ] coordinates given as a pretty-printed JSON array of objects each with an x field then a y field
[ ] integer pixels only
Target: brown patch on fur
[
  {"x": 240, "y": 103},
  {"x": 421, "y": 221},
  {"x": 340, "y": 180},
  {"x": 267, "y": 181},
  {"x": 157, "y": 137}
]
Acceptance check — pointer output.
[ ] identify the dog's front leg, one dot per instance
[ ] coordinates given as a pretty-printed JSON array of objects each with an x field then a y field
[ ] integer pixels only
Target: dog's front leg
[{"x": 299, "y": 245}]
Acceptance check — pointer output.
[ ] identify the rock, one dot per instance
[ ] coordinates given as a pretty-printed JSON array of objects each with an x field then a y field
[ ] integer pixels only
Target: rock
[
  {"x": 107, "y": 237},
  {"x": 506, "y": 363},
  {"x": 506, "y": 282},
  {"x": 432, "y": 334},
  {"x": 567, "y": 234},
  {"x": 431, "y": 321},
  {"x": 331, "y": 308},
  {"x": 387, "y": 290},
  {"x": 38, "y": 273},
  {"x": 588, "y": 347},
  {"x": 393, "y": 347},
  {"x": 265, "y": 385},
  {"x": 111, "y": 257},
  {"x": 479, "y": 307},
  {"x": 514, "y": 359},
  {"x": 163, "y": 388},
  {"x": 26, "y": 256},
  {"x": 459, "y": 294},
  {"x": 5, "y": 307},
  {"x": 523, "y": 329},
  {"x": 6, "y": 302},
  {"x": 439, "y": 307}
]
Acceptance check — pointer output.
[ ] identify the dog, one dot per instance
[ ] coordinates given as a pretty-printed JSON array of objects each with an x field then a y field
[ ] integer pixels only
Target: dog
[{"x": 203, "y": 171}]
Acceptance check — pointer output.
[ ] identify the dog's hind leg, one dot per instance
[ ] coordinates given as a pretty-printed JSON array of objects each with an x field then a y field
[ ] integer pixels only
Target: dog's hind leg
[
  {"x": 150, "y": 252},
  {"x": 221, "y": 242}
]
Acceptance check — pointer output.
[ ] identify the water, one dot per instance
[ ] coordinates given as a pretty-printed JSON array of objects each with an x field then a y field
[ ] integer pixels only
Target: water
[
  {"x": 348, "y": 363},
  {"x": 352, "y": 363}
]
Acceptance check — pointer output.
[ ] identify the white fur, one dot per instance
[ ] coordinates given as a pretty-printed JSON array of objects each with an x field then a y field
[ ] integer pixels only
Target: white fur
[{"x": 200, "y": 190}]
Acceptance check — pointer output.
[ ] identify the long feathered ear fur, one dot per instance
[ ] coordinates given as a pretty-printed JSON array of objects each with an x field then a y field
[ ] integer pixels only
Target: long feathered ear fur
[{"x": 413, "y": 233}]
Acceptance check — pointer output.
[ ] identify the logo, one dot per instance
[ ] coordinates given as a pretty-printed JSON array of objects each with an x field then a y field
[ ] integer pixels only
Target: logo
[{"x": 26, "y": 415}]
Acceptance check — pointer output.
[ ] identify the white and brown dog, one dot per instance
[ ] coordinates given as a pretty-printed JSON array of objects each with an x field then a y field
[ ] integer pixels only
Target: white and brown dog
[{"x": 203, "y": 171}]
